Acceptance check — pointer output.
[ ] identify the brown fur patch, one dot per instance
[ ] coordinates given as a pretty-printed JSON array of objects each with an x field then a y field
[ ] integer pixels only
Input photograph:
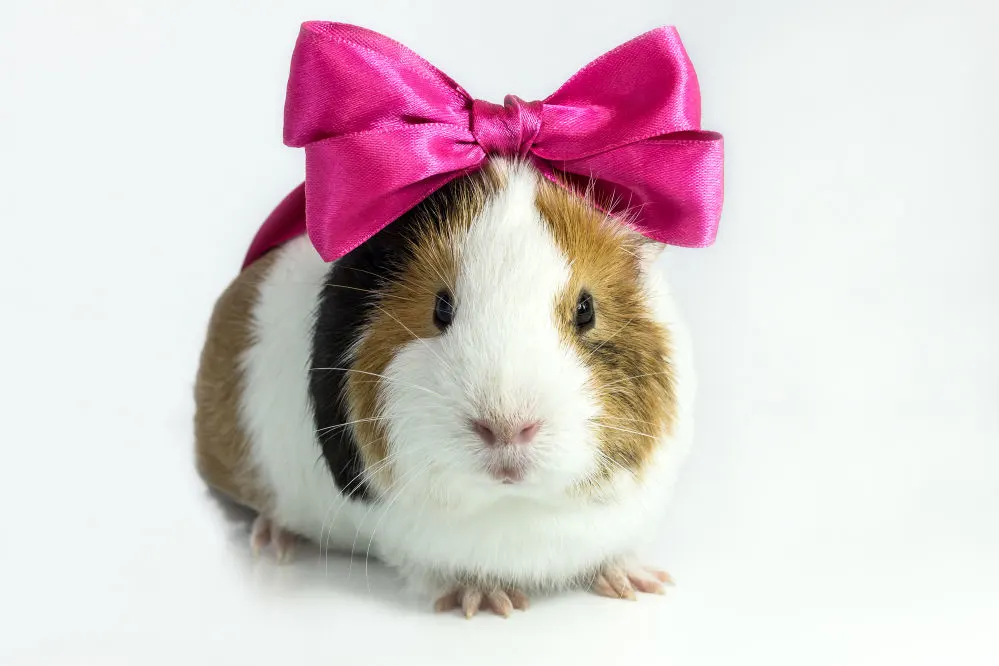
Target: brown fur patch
[
  {"x": 221, "y": 445},
  {"x": 404, "y": 310},
  {"x": 627, "y": 350}
]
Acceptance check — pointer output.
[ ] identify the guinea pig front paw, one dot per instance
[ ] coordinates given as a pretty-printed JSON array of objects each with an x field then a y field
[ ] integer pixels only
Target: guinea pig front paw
[
  {"x": 620, "y": 580},
  {"x": 266, "y": 532},
  {"x": 470, "y": 598}
]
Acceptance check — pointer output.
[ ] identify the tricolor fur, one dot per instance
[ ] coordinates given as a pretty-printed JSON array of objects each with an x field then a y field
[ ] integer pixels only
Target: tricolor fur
[{"x": 354, "y": 407}]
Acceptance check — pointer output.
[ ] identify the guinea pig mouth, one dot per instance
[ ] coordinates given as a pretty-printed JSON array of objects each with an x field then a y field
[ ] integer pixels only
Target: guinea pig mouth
[
  {"x": 507, "y": 467},
  {"x": 507, "y": 474}
]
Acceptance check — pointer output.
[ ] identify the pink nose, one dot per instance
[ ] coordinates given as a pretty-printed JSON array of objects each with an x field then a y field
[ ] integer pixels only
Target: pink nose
[{"x": 493, "y": 433}]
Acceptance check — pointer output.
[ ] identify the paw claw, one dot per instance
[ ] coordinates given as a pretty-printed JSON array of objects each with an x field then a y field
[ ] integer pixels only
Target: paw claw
[
  {"x": 447, "y": 602},
  {"x": 470, "y": 599},
  {"x": 621, "y": 581},
  {"x": 265, "y": 532},
  {"x": 500, "y": 603},
  {"x": 519, "y": 600},
  {"x": 470, "y": 602},
  {"x": 285, "y": 545},
  {"x": 602, "y": 587},
  {"x": 647, "y": 586},
  {"x": 260, "y": 534},
  {"x": 662, "y": 576}
]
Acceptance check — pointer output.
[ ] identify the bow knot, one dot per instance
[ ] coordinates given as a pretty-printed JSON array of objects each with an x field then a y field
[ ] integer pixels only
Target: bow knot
[
  {"x": 508, "y": 130},
  {"x": 383, "y": 129}
]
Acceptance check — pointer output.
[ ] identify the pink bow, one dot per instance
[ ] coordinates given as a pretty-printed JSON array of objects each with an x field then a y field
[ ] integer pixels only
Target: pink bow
[{"x": 383, "y": 129}]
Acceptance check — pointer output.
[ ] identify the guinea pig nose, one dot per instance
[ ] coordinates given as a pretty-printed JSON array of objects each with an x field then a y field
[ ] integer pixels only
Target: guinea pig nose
[
  {"x": 527, "y": 433},
  {"x": 485, "y": 432},
  {"x": 493, "y": 433}
]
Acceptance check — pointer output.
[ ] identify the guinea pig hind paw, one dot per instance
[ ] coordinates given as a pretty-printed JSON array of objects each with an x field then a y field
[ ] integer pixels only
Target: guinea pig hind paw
[
  {"x": 470, "y": 599},
  {"x": 265, "y": 532},
  {"x": 621, "y": 581}
]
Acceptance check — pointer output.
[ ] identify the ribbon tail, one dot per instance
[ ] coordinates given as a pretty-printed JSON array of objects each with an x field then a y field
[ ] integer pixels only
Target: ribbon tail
[{"x": 286, "y": 222}]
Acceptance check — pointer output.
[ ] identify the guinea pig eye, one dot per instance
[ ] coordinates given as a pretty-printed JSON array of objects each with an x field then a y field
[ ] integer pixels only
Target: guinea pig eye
[
  {"x": 443, "y": 309},
  {"x": 585, "y": 312}
]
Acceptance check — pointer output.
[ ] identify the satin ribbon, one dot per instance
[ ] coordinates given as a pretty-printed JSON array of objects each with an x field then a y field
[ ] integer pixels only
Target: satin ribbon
[{"x": 383, "y": 129}]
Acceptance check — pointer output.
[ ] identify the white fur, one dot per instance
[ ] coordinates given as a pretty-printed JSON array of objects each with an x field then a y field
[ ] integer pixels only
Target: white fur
[
  {"x": 275, "y": 409},
  {"x": 445, "y": 516}
]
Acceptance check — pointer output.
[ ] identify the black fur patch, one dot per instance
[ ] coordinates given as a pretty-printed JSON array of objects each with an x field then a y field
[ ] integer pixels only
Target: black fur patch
[{"x": 344, "y": 306}]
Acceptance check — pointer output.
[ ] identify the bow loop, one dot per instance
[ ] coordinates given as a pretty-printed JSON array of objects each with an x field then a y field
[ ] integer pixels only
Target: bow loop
[
  {"x": 346, "y": 79},
  {"x": 383, "y": 129},
  {"x": 508, "y": 130}
]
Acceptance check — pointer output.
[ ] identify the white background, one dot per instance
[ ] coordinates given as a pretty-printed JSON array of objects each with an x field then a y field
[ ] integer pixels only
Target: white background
[{"x": 842, "y": 503}]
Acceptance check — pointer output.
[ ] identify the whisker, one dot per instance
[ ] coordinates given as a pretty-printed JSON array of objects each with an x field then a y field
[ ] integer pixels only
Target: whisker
[
  {"x": 367, "y": 552},
  {"x": 633, "y": 432},
  {"x": 643, "y": 503},
  {"x": 606, "y": 458},
  {"x": 646, "y": 374},
  {"x": 415, "y": 336},
  {"x": 630, "y": 419},
  {"x": 360, "y": 476},
  {"x": 641, "y": 500},
  {"x": 361, "y": 270},
  {"x": 386, "y": 281},
  {"x": 348, "y": 423},
  {"x": 369, "y": 291},
  {"x": 590, "y": 355},
  {"x": 367, "y": 513},
  {"x": 344, "y": 494},
  {"x": 423, "y": 508},
  {"x": 375, "y": 374}
]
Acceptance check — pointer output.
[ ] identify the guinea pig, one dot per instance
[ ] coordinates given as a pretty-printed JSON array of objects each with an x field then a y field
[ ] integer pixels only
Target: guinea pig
[{"x": 492, "y": 395}]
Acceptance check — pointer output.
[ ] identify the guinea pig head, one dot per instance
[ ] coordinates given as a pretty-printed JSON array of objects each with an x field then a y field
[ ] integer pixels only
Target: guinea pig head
[{"x": 514, "y": 348}]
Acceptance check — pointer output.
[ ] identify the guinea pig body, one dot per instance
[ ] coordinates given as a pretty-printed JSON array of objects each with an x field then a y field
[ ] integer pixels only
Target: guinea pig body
[{"x": 492, "y": 395}]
